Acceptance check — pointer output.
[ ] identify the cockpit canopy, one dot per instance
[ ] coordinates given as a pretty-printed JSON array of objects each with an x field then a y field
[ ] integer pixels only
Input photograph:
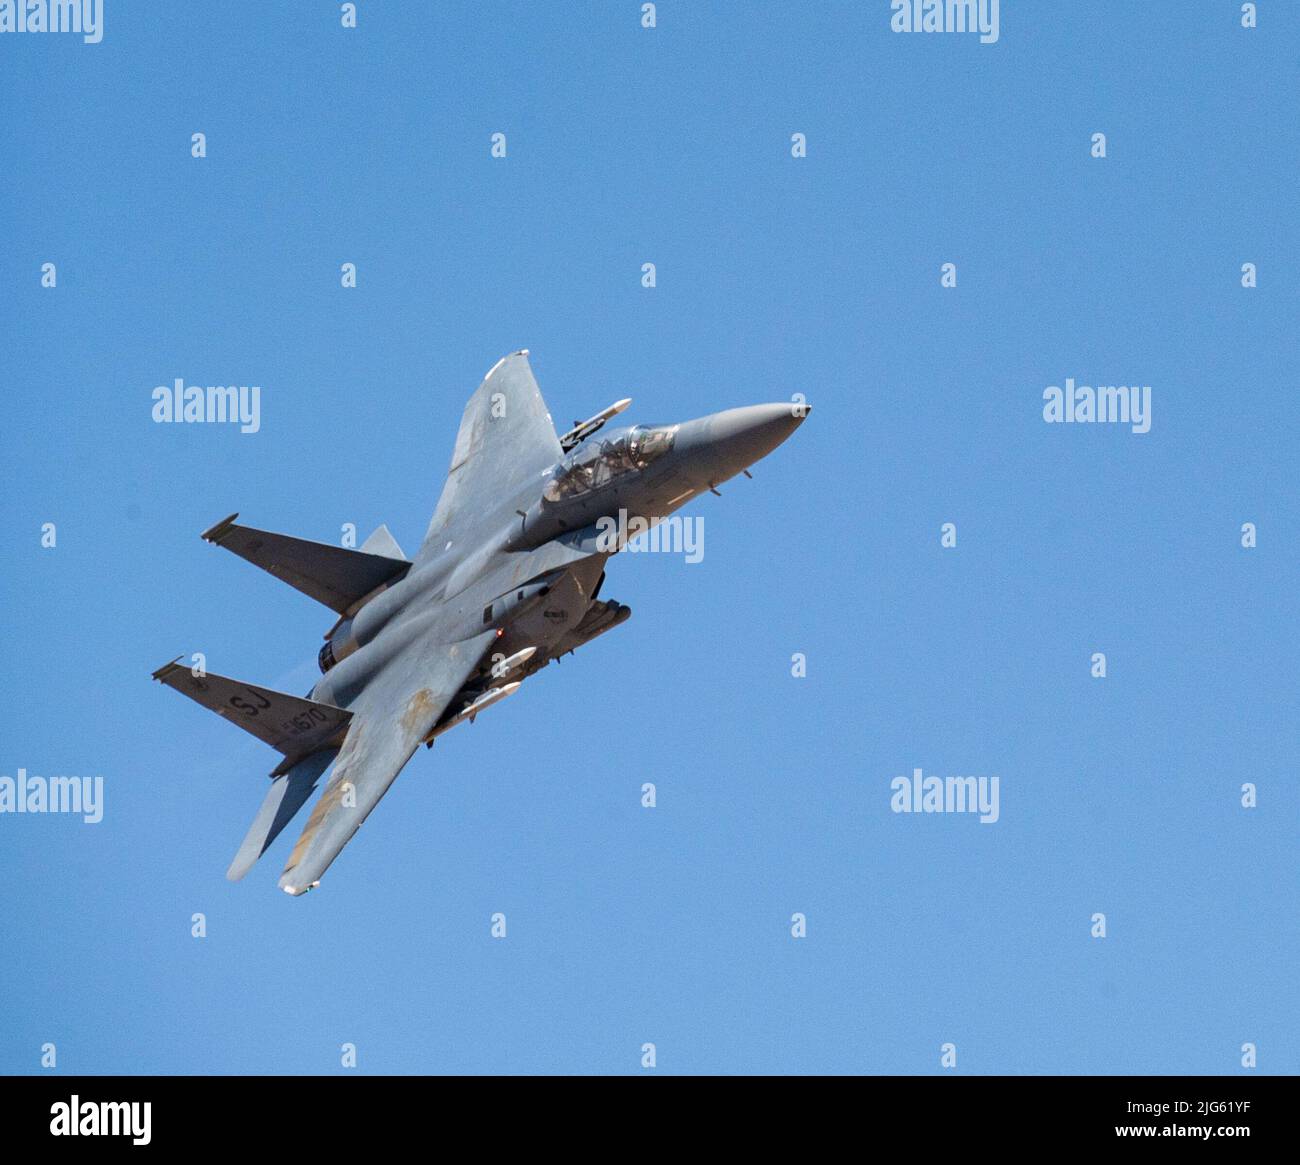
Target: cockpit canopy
[{"x": 601, "y": 460}]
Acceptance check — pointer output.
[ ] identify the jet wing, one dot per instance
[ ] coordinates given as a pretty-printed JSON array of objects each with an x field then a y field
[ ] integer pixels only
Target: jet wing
[
  {"x": 289, "y": 724},
  {"x": 398, "y": 709},
  {"x": 333, "y": 575},
  {"x": 506, "y": 437}
]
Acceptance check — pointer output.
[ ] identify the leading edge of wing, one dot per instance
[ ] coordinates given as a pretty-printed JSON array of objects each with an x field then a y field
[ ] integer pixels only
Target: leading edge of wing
[
  {"x": 396, "y": 712},
  {"x": 506, "y": 436}
]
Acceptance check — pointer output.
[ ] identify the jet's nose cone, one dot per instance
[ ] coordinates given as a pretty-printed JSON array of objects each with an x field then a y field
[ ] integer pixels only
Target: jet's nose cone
[
  {"x": 757, "y": 428},
  {"x": 733, "y": 440}
]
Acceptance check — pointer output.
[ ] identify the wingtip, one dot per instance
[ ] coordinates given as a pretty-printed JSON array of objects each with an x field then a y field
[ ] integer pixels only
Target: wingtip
[
  {"x": 500, "y": 363},
  {"x": 167, "y": 668},
  {"x": 220, "y": 530}
]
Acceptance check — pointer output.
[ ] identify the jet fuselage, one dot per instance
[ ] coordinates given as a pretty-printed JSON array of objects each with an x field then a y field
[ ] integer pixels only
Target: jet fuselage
[{"x": 548, "y": 531}]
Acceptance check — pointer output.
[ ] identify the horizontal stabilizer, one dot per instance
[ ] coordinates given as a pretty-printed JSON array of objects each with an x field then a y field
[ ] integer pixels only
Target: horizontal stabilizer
[
  {"x": 287, "y": 794},
  {"x": 333, "y": 575},
  {"x": 289, "y": 724}
]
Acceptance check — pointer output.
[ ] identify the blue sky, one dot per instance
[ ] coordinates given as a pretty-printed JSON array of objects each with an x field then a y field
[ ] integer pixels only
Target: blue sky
[{"x": 775, "y": 276}]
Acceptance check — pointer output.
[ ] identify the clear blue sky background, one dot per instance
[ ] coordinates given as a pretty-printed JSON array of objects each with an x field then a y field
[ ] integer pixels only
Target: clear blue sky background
[{"x": 775, "y": 276}]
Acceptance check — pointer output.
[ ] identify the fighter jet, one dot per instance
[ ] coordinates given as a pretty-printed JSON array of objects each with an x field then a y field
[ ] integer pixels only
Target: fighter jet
[{"x": 507, "y": 579}]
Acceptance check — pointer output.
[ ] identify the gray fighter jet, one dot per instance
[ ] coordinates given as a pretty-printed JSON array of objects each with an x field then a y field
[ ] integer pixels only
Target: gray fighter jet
[{"x": 506, "y": 580}]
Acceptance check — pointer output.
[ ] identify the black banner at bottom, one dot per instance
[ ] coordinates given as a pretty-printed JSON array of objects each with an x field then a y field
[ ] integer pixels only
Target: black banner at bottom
[{"x": 344, "y": 1113}]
